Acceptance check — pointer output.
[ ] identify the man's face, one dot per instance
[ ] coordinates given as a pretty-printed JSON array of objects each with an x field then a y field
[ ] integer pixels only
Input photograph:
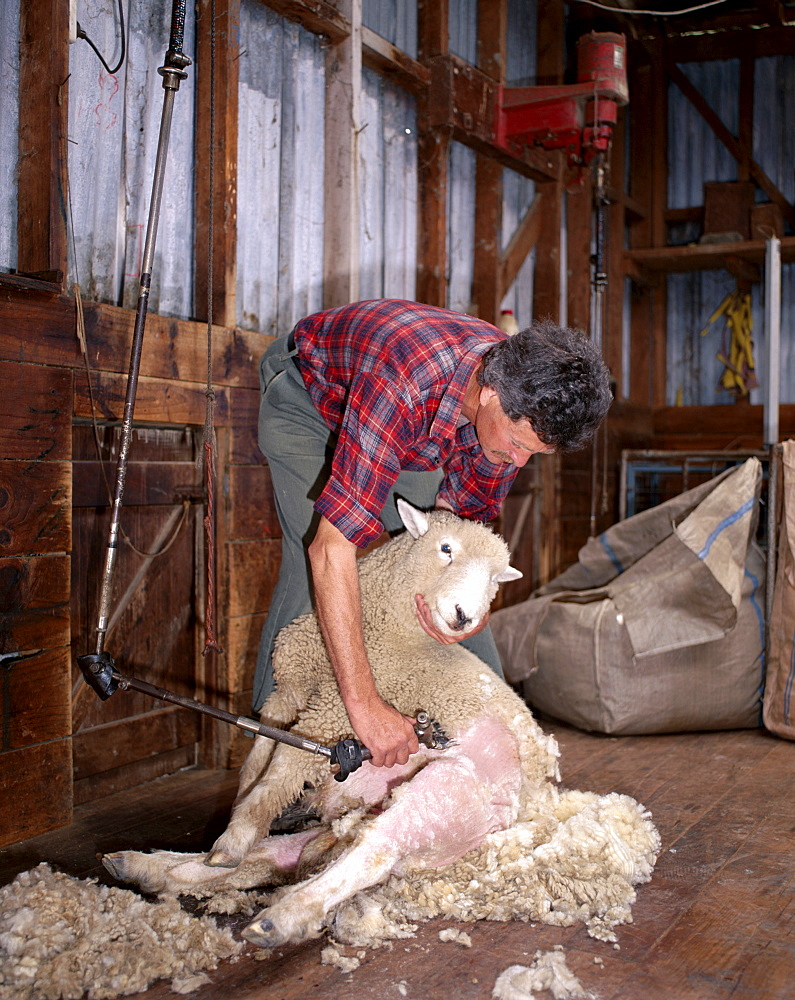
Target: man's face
[{"x": 502, "y": 439}]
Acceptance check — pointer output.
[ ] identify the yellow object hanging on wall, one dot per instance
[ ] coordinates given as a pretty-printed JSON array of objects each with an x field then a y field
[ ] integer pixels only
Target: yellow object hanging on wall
[{"x": 739, "y": 375}]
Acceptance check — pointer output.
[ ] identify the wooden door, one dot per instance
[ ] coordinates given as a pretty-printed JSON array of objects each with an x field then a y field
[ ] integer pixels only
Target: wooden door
[{"x": 154, "y": 625}]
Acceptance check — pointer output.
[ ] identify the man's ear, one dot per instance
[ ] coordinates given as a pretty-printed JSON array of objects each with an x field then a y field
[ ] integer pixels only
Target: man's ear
[{"x": 487, "y": 394}]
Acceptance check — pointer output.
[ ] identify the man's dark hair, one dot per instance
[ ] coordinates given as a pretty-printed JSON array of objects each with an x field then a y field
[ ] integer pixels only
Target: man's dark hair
[{"x": 556, "y": 378}]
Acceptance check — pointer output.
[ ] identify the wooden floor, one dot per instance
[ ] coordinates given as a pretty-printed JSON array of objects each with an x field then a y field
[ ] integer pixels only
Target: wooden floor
[{"x": 716, "y": 921}]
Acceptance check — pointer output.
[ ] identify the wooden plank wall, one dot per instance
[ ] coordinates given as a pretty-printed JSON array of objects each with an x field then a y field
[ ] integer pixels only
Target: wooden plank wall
[
  {"x": 45, "y": 388},
  {"x": 35, "y": 540}
]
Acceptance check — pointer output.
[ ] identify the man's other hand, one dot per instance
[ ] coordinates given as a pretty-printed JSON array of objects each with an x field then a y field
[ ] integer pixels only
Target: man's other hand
[{"x": 425, "y": 618}]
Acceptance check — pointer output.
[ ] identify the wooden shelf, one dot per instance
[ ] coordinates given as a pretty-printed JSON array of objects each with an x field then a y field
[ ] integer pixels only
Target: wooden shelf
[{"x": 702, "y": 257}]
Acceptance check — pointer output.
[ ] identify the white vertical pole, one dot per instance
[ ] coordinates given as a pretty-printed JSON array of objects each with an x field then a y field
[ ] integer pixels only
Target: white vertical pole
[{"x": 772, "y": 339}]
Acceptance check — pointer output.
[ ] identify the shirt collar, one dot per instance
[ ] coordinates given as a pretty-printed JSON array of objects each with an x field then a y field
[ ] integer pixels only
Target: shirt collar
[{"x": 446, "y": 419}]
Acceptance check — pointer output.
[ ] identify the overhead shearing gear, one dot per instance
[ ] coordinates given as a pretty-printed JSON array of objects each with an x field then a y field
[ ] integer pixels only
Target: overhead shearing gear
[{"x": 348, "y": 755}]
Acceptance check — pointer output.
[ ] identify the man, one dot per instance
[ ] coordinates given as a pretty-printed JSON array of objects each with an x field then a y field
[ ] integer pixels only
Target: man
[{"x": 388, "y": 397}]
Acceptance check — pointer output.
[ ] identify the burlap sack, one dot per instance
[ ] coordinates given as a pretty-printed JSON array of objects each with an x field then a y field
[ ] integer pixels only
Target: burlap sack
[
  {"x": 779, "y": 708},
  {"x": 659, "y": 627}
]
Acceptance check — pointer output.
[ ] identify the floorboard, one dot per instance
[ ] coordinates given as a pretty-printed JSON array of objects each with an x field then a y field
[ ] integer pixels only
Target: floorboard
[{"x": 717, "y": 921}]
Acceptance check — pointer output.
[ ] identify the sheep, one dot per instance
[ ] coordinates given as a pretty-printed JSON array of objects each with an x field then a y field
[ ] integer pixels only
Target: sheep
[{"x": 487, "y": 802}]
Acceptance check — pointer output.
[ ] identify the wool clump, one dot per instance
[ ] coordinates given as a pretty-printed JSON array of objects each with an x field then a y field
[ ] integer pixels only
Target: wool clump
[{"x": 62, "y": 938}]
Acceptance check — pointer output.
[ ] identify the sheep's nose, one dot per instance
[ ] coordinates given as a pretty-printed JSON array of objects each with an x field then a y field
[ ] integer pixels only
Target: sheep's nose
[{"x": 461, "y": 620}]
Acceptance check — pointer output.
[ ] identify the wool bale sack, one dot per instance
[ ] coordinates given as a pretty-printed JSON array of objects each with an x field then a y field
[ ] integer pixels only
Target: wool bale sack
[
  {"x": 779, "y": 708},
  {"x": 659, "y": 626}
]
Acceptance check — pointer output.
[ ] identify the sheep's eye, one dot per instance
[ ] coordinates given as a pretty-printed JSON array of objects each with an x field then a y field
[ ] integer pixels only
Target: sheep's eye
[{"x": 447, "y": 549}]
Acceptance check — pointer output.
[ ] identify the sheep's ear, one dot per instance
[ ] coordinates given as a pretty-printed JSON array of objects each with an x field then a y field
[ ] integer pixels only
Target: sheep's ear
[
  {"x": 416, "y": 521},
  {"x": 508, "y": 574}
]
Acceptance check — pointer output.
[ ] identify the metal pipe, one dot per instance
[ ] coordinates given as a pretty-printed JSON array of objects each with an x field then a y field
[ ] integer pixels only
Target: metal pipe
[
  {"x": 773, "y": 340},
  {"x": 173, "y": 72},
  {"x": 599, "y": 283},
  {"x": 776, "y": 451}
]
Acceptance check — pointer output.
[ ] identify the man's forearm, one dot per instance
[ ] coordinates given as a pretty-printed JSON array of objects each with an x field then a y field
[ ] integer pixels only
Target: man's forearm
[
  {"x": 338, "y": 602},
  {"x": 384, "y": 731}
]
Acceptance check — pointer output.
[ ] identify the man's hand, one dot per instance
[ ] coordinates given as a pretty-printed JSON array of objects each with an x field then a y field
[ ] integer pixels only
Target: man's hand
[
  {"x": 425, "y": 618},
  {"x": 388, "y": 735}
]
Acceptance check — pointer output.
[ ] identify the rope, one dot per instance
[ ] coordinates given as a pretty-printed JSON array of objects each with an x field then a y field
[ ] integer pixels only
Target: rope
[{"x": 209, "y": 412}]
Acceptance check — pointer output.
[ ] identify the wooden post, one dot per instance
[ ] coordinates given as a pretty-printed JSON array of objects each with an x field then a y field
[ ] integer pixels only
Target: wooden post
[
  {"x": 547, "y": 280},
  {"x": 43, "y": 126},
  {"x": 433, "y": 150},
  {"x": 547, "y": 283},
  {"x": 648, "y": 159},
  {"x": 486, "y": 292},
  {"x": 224, "y": 193},
  {"x": 343, "y": 121},
  {"x": 612, "y": 347}
]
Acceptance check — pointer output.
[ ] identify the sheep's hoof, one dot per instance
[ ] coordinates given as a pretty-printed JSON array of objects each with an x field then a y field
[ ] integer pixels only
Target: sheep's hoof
[
  {"x": 221, "y": 859},
  {"x": 114, "y": 863},
  {"x": 263, "y": 933}
]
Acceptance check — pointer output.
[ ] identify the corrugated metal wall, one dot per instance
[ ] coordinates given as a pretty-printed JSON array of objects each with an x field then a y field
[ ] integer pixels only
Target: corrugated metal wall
[
  {"x": 388, "y": 176},
  {"x": 114, "y": 123},
  {"x": 280, "y": 175},
  {"x": 695, "y": 155},
  {"x": 517, "y": 191},
  {"x": 280, "y": 187},
  {"x": 394, "y": 20},
  {"x": 9, "y": 139}
]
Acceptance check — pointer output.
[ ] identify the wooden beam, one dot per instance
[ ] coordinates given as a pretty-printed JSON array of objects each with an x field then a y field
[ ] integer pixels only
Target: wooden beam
[
  {"x": 390, "y": 62},
  {"x": 522, "y": 242},
  {"x": 746, "y": 117},
  {"x": 433, "y": 19},
  {"x": 757, "y": 43},
  {"x": 613, "y": 341},
  {"x": 343, "y": 121},
  {"x": 757, "y": 174},
  {"x": 704, "y": 257},
  {"x": 464, "y": 99},
  {"x": 43, "y": 127},
  {"x": 41, "y": 331},
  {"x": 317, "y": 16},
  {"x": 551, "y": 65},
  {"x": 579, "y": 229},
  {"x": 488, "y": 225},
  {"x": 223, "y": 62},
  {"x": 492, "y": 39},
  {"x": 433, "y": 154},
  {"x": 648, "y": 178}
]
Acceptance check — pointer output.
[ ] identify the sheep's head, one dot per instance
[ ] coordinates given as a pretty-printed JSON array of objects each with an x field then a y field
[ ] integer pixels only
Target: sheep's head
[{"x": 458, "y": 566}]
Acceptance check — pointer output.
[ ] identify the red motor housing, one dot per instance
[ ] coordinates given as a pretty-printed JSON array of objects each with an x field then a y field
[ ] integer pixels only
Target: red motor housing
[{"x": 577, "y": 117}]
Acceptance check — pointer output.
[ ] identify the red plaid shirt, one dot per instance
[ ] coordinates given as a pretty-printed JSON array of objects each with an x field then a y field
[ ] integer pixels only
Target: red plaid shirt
[{"x": 389, "y": 377}]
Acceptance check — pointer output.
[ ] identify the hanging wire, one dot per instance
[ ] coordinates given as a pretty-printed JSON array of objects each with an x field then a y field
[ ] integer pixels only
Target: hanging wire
[
  {"x": 81, "y": 34},
  {"x": 658, "y": 13}
]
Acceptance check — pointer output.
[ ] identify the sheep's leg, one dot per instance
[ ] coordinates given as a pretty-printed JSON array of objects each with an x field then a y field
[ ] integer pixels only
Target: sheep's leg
[
  {"x": 445, "y": 810},
  {"x": 277, "y": 711},
  {"x": 268, "y": 863},
  {"x": 262, "y": 800}
]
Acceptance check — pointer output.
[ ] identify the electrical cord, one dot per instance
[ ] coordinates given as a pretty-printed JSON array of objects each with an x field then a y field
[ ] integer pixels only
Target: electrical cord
[
  {"x": 660, "y": 13},
  {"x": 81, "y": 34}
]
